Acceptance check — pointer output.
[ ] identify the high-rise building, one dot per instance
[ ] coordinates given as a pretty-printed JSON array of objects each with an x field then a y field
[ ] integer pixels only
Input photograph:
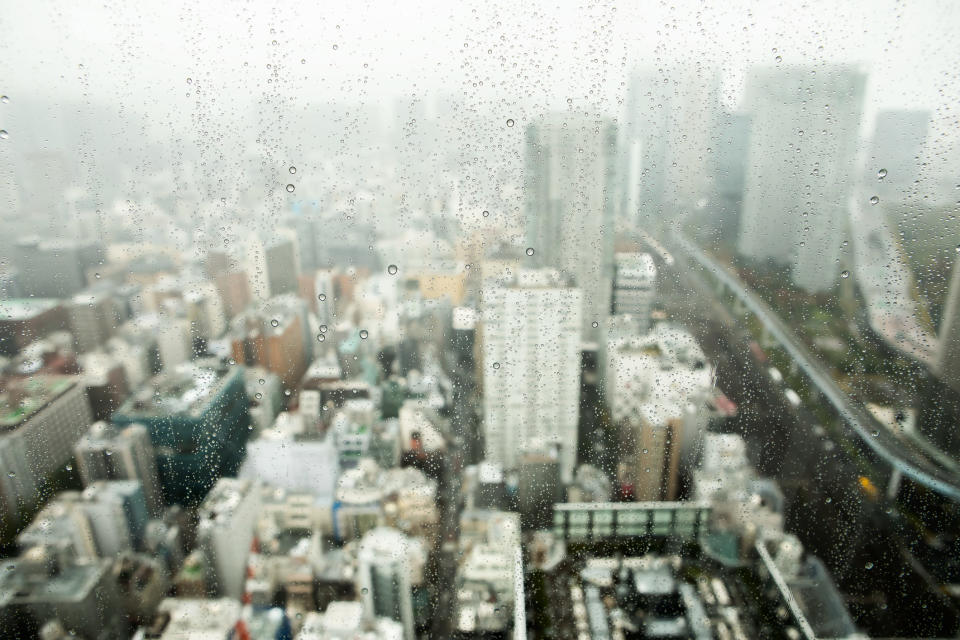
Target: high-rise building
[
  {"x": 634, "y": 285},
  {"x": 569, "y": 184},
  {"x": 107, "y": 454},
  {"x": 531, "y": 366},
  {"x": 41, "y": 419},
  {"x": 803, "y": 144},
  {"x": 24, "y": 320},
  {"x": 225, "y": 532},
  {"x": 197, "y": 417},
  {"x": 55, "y": 268},
  {"x": 894, "y": 160},
  {"x": 93, "y": 318},
  {"x": 274, "y": 336},
  {"x": 386, "y": 561},
  {"x": 948, "y": 347},
  {"x": 283, "y": 263}
]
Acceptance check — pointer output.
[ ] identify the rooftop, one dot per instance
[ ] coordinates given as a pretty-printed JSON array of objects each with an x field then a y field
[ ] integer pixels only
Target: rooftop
[
  {"x": 25, "y": 308},
  {"x": 20, "y": 400},
  {"x": 188, "y": 389}
]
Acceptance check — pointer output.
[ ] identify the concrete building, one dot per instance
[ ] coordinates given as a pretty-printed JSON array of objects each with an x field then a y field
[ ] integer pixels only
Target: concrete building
[
  {"x": 41, "y": 419},
  {"x": 894, "y": 159},
  {"x": 55, "y": 268},
  {"x": 94, "y": 316},
  {"x": 225, "y": 532},
  {"x": 531, "y": 366},
  {"x": 634, "y": 286},
  {"x": 25, "y": 320},
  {"x": 197, "y": 417},
  {"x": 569, "y": 199},
  {"x": 197, "y": 618},
  {"x": 948, "y": 346},
  {"x": 275, "y": 336},
  {"x": 104, "y": 453},
  {"x": 386, "y": 561},
  {"x": 283, "y": 262},
  {"x": 799, "y": 167}
]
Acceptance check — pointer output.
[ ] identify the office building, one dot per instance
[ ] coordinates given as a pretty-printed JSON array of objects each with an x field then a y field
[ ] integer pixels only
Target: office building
[
  {"x": 894, "y": 160},
  {"x": 275, "y": 336},
  {"x": 283, "y": 263},
  {"x": 197, "y": 417},
  {"x": 178, "y": 618},
  {"x": 105, "y": 380},
  {"x": 569, "y": 195},
  {"x": 55, "y": 268},
  {"x": 105, "y": 453},
  {"x": 41, "y": 419},
  {"x": 948, "y": 346},
  {"x": 799, "y": 168},
  {"x": 25, "y": 320},
  {"x": 94, "y": 316},
  {"x": 225, "y": 532},
  {"x": 531, "y": 366},
  {"x": 386, "y": 560},
  {"x": 40, "y": 587},
  {"x": 634, "y": 286}
]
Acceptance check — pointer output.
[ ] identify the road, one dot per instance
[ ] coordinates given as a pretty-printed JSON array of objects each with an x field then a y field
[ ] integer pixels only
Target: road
[{"x": 860, "y": 539}]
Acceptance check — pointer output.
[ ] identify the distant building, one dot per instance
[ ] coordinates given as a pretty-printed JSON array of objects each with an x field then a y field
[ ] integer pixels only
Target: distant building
[
  {"x": 55, "y": 268},
  {"x": 24, "y": 320},
  {"x": 531, "y": 366},
  {"x": 569, "y": 198},
  {"x": 178, "y": 618},
  {"x": 105, "y": 453},
  {"x": 276, "y": 337},
  {"x": 94, "y": 316},
  {"x": 894, "y": 160},
  {"x": 799, "y": 167},
  {"x": 283, "y": 263},
  {"x": 197, "y": 417},
  {"x": 225, "y": 533},
  {"x": 634, "y": 286}
]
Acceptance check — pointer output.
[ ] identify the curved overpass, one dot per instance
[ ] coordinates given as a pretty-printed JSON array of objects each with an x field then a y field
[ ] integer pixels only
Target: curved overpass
[{"x": 903, "y": 455}]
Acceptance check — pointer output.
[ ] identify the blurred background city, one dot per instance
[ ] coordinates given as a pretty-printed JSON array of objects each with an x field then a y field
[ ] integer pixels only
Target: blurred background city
[{"x": 400, "y": 321}]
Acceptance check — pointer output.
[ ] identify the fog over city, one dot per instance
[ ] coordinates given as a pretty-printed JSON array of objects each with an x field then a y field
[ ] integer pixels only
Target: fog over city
[{"x": 423, "y": 320}]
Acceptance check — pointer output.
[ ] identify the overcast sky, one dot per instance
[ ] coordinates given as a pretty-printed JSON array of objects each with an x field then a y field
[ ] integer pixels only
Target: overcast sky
[{"x": 513, "y": 57}]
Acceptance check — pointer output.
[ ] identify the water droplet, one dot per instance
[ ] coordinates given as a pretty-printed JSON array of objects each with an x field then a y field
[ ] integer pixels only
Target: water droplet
[
  {"x": 509, "y": 122},
  {"x": 97, "y": 276},
  {"x": 303, "y": 61},
  {"x": 274, "y": 323},
  {"x": 779, "y": 59},
  {"x": 529, "y": 251},
  {"x": 69, "y": 467},
  {"x": 844, "y": 274},
  {"x": 262, "y": 381},
  {"x": 322, "y": 297},
  {"x": 868, "y": 566},
  {"x": 881, "y": 174},
  {"x": 594, "y": 324},
  {"x": 874, "y": 199},
  {"x": 392, "y": 269},
  {"x": 335, "y": 47},
  {"x": 486, "y": 214},
  {"x": 4, "y": 99},
  {"x": 290, "y": 188},
  {"x": 363, "y": 334},
  {"x": 3, "y": 134},
  {"x": 258, "y": 395},
  {"x": 829, "y": 500},
  {"x": 321, "y": 337},
  {"x": 286, "y": 392},
  {"x": 646, "y": 451},
  {"x": 364, "y": 591},
  {"x": 189, "y": 80},
  {"x": 496, "y": 365},
  {"x": 292, "y": 169},
  {"x": 11, "y": 475},
  {"x": 875, "y": 433}
]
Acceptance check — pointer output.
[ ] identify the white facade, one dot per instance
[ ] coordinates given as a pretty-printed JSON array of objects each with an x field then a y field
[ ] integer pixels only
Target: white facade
[
  {"x": 225, "y": 532},
  {"x": 305, "y": 465},
  {"x": 387, "y": 564},
  {"x": 174, "y": 342},
  {"x": 531, "y": 368}
]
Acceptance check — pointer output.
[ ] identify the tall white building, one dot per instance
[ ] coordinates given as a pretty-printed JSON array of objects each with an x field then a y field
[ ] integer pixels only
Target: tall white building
[
  {"x": 569, "y": 192},
  {"x": 800, "y": 161},
  {"x": 225, "y": 532},
  {"x": 531, "y": 369},
  {"x": 387, "y": 563},
  {"x": 948, "y": 347}
]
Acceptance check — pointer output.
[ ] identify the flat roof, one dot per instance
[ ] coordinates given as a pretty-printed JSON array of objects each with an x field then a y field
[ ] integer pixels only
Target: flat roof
[
  {"x": 39, "y": 391},
  {"x": 26, "y": 308}
]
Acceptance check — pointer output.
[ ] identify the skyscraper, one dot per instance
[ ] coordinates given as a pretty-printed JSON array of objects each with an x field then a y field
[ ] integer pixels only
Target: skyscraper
[
  {"x": 531, "y": 366},
  {"x": 948, "y": 349},
  {"x": 803, "y": 143},
  {"x": 569, "y": 185}
]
